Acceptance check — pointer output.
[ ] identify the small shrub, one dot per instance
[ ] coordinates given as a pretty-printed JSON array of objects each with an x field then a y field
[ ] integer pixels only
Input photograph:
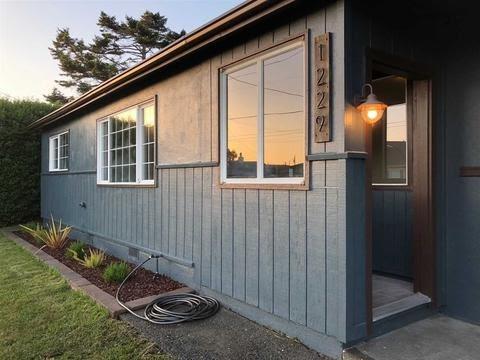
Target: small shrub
[
  {"x": 93, "y": 260},
  {"x": 76, "y": 250},
  {"x": 53, "y": 236},
  {"x": 116, "y": 272}
]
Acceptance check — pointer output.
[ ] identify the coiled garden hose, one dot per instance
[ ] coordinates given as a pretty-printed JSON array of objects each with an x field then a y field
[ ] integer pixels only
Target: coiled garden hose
[{"x": 172, "y": 309}]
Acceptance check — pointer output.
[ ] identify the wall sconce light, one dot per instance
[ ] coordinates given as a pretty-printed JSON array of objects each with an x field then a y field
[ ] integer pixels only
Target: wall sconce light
[{"x": 370, "y": 107}]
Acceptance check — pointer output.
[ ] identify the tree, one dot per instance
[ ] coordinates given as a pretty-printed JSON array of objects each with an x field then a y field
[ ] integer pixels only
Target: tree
[
  {"x": 231, "y": 155},
  {"x": 20, "y": 160},
  {"x": 56, "y": 97},
  {"x": 120, "y": 45}
]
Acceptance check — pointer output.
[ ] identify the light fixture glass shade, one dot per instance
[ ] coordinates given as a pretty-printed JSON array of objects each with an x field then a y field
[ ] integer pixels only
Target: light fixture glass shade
[{"x": 372, "y": 109}]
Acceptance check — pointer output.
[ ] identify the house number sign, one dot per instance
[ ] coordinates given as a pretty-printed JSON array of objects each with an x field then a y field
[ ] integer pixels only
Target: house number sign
[{"x": 322, "y": 89}]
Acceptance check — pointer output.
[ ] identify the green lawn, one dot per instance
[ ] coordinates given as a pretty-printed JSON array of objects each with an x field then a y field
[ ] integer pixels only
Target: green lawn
[{"x": 41, "y": 317}]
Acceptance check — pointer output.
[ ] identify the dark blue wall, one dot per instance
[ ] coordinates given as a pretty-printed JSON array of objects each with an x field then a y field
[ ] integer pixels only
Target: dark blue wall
[
  {"x": 449, "y": 44},
  {"x": 392, "y": 232},
  {"x": 462, "y": 110}
]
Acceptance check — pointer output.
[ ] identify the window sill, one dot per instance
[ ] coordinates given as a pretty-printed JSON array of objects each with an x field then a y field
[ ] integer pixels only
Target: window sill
[
  {"x": 120, "y": 185},
  {"x": 57, "y": 170},
  {"x": 265, "y": 186},
  {"x": 392, "y": 187}
]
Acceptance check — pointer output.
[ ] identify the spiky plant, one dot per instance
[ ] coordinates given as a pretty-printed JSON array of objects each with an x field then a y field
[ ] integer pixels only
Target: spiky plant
[
  {"x": 53, "y": 236},
  {"x": 93, "y": 260},
  {"x": 35, "y": 230}
]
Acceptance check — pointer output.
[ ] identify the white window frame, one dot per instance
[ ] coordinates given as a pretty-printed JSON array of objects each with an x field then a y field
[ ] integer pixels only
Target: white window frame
[
  {"x": 138, "y": 145},
  {"x": 51, "y": 152},
  {"x": 258, "y": 60}
]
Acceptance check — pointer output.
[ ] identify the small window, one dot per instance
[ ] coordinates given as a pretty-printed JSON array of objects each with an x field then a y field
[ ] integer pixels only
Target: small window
[
  {"x": 390, "y": 134},
  {"x": 263, "y": 118},
  {"x": 126, "y": 147},
  {"x": 59, "y": 150}
]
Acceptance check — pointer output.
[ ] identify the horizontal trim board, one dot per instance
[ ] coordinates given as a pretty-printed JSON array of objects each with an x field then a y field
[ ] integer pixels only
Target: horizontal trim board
[
  {"x": 140, "y": 248},
  {"x": 188, "y": 165},
  {"x": 311, "y": 157},
  {"x": 69, "y": 172},
  {"x": 337, "y": 156},
  {"x": 470, "y": 171}
]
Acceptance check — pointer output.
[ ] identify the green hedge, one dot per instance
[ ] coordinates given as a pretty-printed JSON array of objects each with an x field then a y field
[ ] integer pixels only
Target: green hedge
[{"x": 20, "y": 160}]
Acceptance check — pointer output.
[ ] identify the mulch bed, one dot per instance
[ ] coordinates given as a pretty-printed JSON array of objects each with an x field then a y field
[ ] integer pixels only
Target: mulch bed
[{"x": 144, "y": 282}]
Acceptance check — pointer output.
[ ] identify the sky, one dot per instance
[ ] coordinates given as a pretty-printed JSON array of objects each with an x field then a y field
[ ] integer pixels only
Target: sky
[{"x": 27, "y": 28}]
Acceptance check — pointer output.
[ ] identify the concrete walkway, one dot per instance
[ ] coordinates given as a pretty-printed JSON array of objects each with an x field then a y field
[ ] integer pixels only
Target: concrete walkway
[
  {"x": 226, "y": 335},
  {"x": 436, "y": 338}
]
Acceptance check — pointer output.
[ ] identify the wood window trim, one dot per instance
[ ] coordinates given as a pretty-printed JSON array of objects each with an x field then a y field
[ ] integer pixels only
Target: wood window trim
[
  {"x": 265, "y": 186},
  {"x": 302, "y": 38},
  {"x": 50, "y": 138},
  {"x": 150, "y": 100}
]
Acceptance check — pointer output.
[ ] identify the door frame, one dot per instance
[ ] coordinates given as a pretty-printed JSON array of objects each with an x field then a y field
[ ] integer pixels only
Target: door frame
[{"x": 424, "y": 247}]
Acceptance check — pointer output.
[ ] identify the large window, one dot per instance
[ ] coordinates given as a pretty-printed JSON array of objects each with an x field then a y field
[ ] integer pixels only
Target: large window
[
  {"x": 59, "y": 151},
  {"x": 263, "y": 118},
  {"x": 390, "y": 134},
  {"x": 126, "y": 147}
]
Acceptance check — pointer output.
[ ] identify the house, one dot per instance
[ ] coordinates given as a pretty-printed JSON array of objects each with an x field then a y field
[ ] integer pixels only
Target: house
[{"x": 239, "y": 154}]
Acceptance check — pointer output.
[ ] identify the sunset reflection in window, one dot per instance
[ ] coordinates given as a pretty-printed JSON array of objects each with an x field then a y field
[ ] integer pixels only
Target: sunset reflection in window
[{"x": 265, "y": 128}]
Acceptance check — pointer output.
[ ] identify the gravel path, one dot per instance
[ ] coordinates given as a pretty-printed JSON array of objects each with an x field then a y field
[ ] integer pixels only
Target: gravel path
[{"x": 226, "y": 335}]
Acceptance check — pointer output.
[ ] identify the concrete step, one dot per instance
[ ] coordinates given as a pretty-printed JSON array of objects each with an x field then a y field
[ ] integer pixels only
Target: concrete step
[{"x": 399, "y": 306}]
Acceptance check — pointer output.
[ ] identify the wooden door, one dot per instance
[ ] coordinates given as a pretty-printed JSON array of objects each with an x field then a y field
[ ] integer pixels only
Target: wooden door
[{"x": 423, "y": 230}]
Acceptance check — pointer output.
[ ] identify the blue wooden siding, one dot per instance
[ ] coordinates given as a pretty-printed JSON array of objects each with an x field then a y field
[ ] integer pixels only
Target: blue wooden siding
[
  {"x": 268, "y": 248},
  {"x": 461, "y": 220},
  {"x": 280, "y": 251},
  {"x": 392, "y": 232}
]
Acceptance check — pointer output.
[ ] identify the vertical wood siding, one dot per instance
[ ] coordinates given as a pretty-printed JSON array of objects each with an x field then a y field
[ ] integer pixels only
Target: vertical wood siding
[
  {"x": 273, "y": 249},
  {"x": 392, "y": 232}
]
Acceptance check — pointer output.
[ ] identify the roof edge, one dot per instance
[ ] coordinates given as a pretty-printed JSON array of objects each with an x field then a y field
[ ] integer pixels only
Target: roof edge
[{"x": 223, "y": 25}]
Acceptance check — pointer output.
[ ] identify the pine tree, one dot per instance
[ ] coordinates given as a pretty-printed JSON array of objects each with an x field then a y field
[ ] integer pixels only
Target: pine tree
[
  {"x": 120, "y": 45},
  {"x": 56, "y": 97}
]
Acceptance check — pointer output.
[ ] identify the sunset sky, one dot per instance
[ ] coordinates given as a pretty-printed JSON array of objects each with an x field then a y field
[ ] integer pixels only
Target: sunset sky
[
  {"x": 27, "y": 29},
  {"x": 284, "y": 141}
]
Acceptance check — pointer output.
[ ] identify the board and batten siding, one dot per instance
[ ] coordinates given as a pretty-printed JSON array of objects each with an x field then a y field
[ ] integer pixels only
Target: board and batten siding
[
  {"x": 268, "y": 248},
  {"x": 279, "y": 251},
  {"x": 392, "y": 232}
]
